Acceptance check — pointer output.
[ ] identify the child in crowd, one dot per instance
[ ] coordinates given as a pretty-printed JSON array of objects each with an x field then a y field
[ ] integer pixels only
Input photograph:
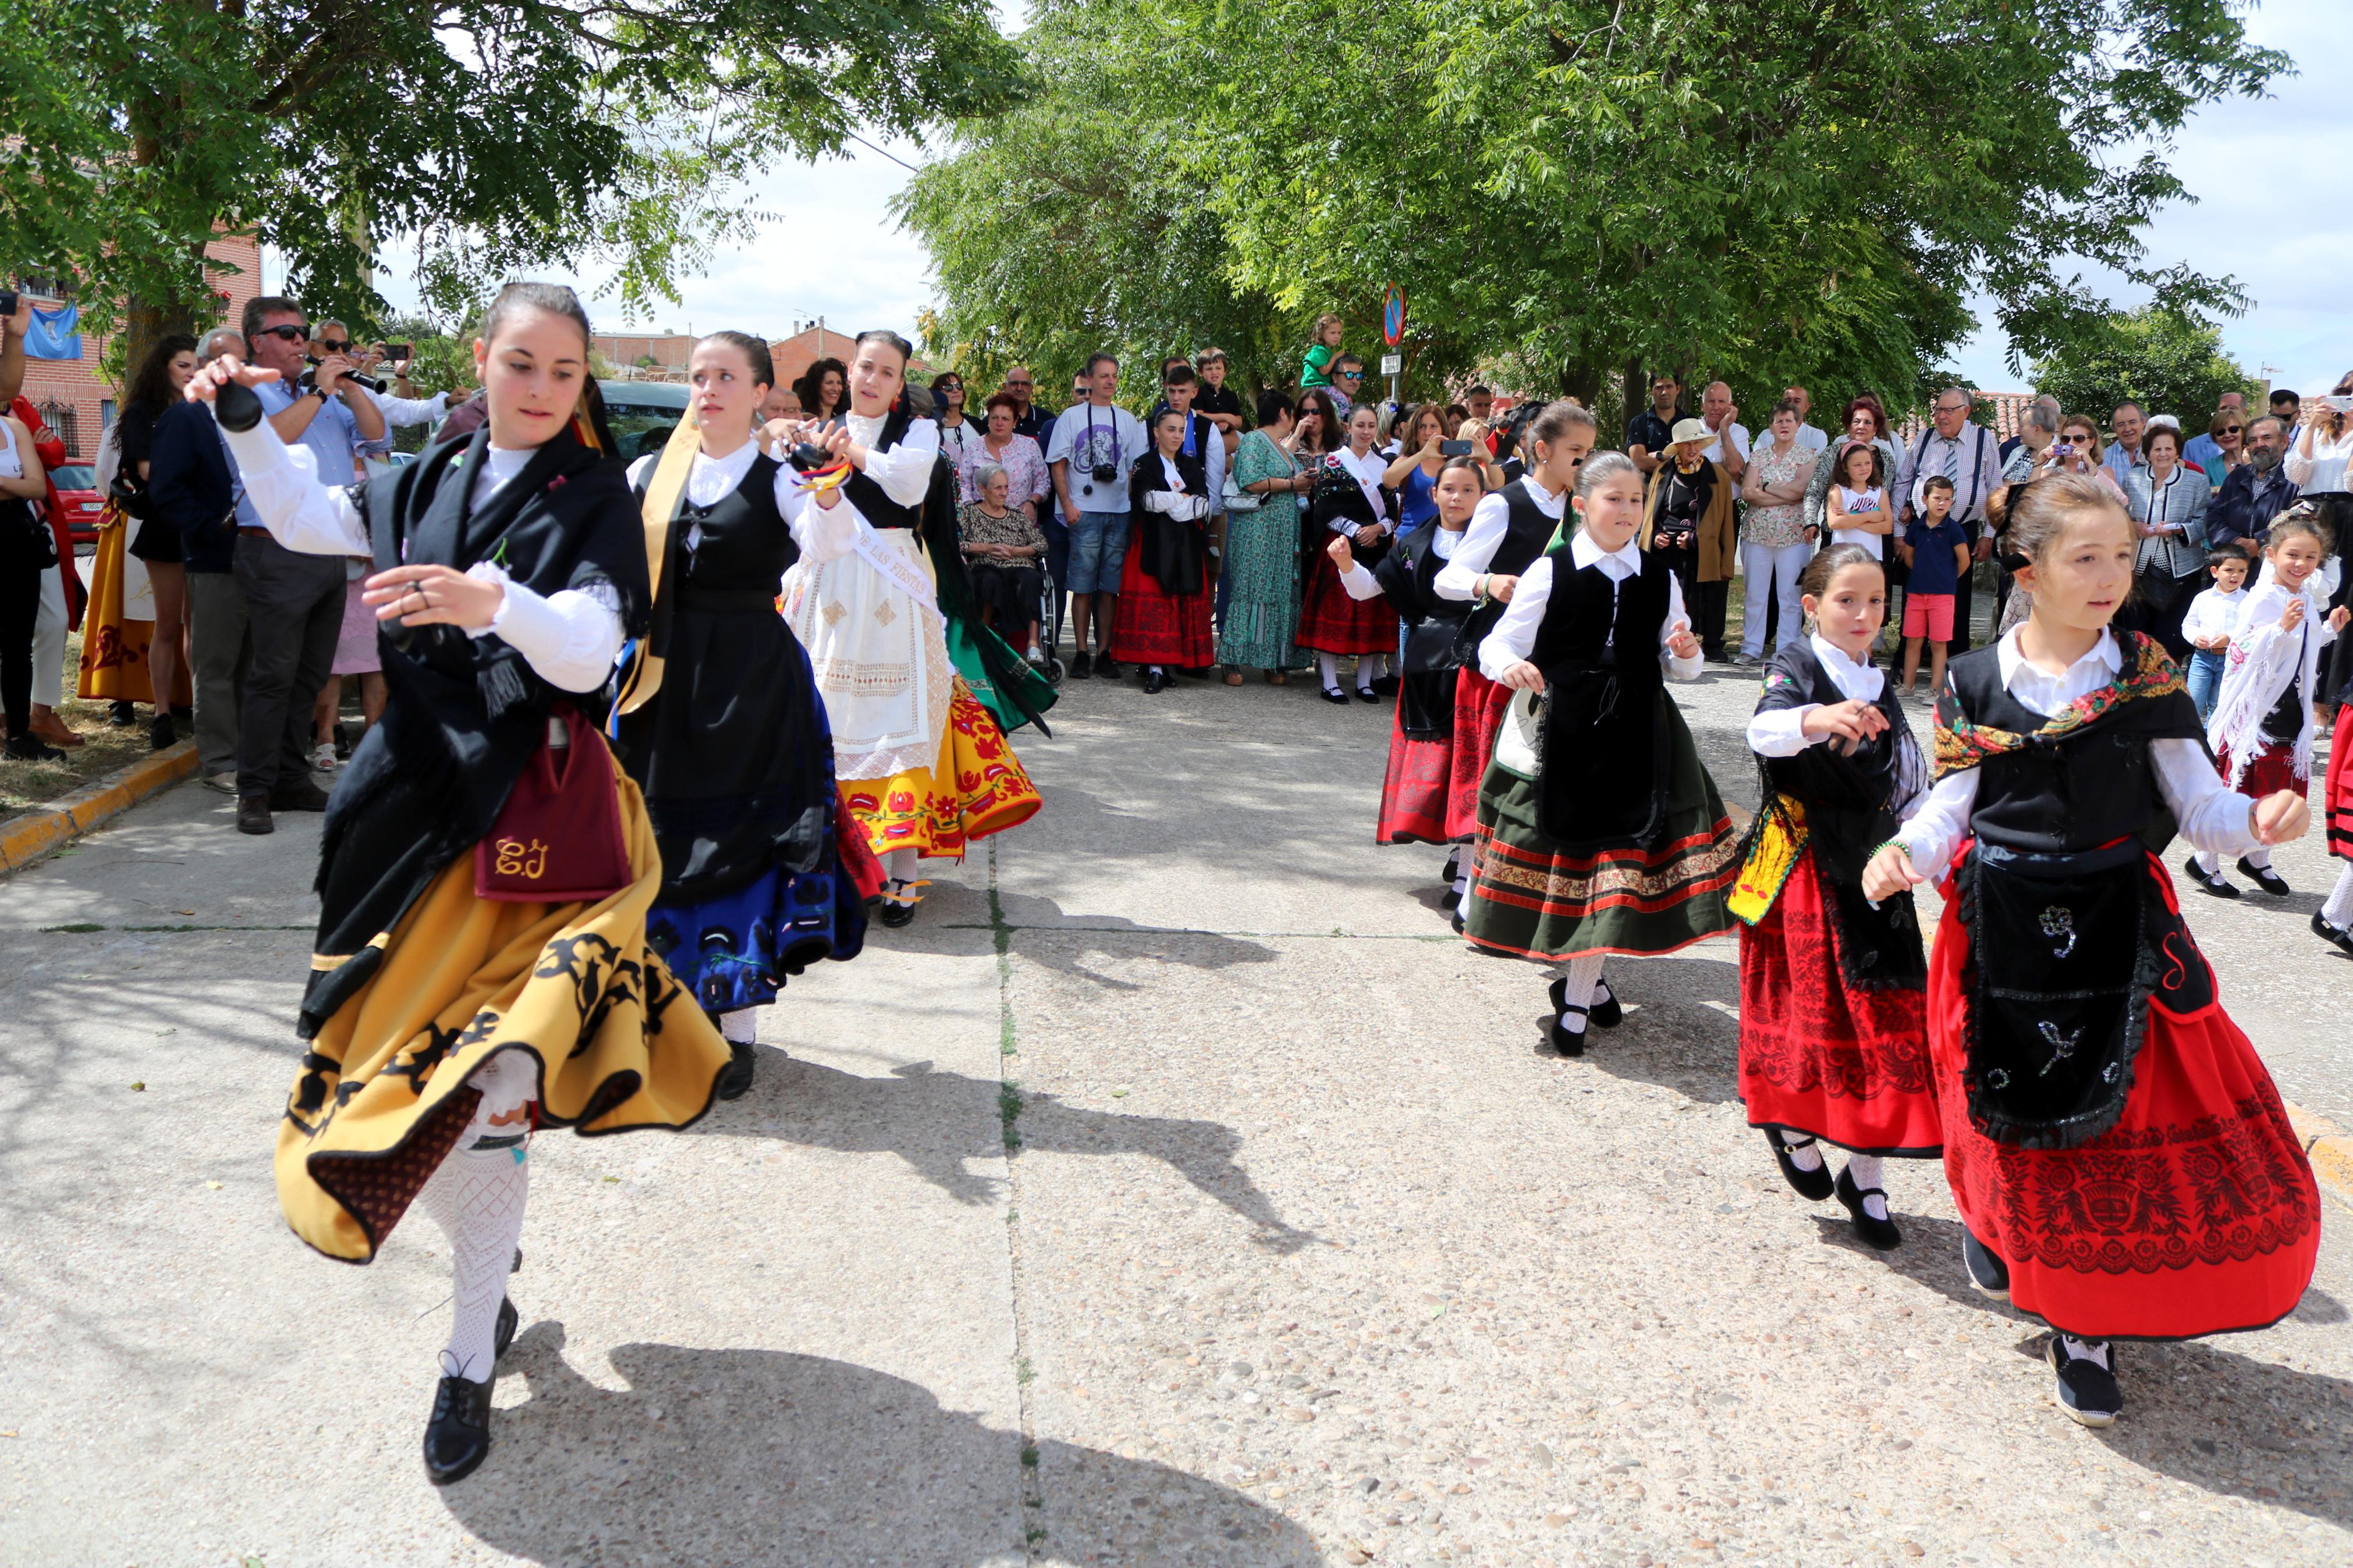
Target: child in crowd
[
  {"x": 1833, "y": 1031},
  {"x": 2121, "y": 1160},
  {"x": 2212, "y": 617},
  {"x": 1322, "y": 353},
  {"x": 2262, "y": 728},
  {"x": 1937, "y": 550},
  {"x": 1858, "y": 512}
]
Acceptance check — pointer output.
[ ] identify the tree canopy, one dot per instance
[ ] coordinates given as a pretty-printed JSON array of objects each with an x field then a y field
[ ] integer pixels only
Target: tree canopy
[
  {"x": 2162, "y": 359},
  {"x": 506, "y": 134},
  {"x": 1774, "y": 190}
]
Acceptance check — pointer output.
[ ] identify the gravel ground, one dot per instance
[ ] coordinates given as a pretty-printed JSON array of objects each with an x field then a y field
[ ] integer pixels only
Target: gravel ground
[{"x": 1175, "y": 1191}]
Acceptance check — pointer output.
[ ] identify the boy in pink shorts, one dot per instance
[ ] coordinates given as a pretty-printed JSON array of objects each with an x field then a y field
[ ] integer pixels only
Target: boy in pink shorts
[{"x": 1938, "y": 551}]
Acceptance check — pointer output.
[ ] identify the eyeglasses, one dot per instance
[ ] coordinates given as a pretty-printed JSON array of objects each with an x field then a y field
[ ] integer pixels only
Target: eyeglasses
[
  {"x": 293, "y": 332},
  {"x": 2234, "y": 430},
  {"x": 1349, "y": 375},
  {"x": 1952, "y": 409}
]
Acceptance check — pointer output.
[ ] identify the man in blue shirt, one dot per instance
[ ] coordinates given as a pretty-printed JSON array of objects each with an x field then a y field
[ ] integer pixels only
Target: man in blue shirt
[{"x": 294, "y": 603}]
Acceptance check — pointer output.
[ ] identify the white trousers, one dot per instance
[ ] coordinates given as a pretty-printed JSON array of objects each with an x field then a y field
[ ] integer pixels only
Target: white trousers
[
  {"x": 1772, "y": 570},
  {"x": 49, "y": 642}
]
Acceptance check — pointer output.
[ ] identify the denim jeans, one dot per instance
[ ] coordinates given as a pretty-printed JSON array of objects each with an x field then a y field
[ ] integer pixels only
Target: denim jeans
[{"x": 2205, "y": 679}]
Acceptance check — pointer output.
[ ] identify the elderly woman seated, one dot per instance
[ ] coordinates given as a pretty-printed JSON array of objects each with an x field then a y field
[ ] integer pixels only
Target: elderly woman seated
[{"x": 1005, "y": 553}]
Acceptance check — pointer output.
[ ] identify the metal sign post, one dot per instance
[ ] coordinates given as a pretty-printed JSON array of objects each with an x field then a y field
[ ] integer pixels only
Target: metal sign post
[{"x": 1392, "y": 330}]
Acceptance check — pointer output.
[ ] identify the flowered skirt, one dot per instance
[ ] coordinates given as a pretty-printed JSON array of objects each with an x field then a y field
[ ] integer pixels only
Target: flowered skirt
[
  {"x": 1261, "y": 570},
  {"x": 736, "y": 949},
  {"x": 1846, "y": 1064},
  {"x": 975, "y": 788},
  {"x": 2195, "y": 1214}
]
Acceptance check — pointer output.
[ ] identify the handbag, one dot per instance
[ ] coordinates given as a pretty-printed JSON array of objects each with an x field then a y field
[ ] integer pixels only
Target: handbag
[{"x": 557, "y": 839}]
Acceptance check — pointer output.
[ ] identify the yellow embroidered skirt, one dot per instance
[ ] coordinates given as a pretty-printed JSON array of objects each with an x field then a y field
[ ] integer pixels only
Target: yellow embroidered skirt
[
  {"x": 383, "y": 1090},
  {"x": 120, "y": 623},
  {"x": 974, "y": 787}
]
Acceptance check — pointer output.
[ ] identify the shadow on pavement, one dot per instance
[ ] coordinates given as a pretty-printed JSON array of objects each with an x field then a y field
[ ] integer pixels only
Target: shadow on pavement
[
  {"x": 1672, "y": 1037},
  {"x": 747, "y": 1457},
  {"x": 939, "y": 1123}
]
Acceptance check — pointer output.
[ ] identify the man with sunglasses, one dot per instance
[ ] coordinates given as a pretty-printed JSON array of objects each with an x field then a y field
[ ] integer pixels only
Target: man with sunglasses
[
  {"x": 1031, "y": 419},
  {"x": 294, "y": 603},
  {"x": 1347, "y": 383}
]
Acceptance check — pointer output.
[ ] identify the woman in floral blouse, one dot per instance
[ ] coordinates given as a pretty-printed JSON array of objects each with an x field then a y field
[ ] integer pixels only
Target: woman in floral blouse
[
  {"x": 1005, "y": 551},
  {"x": 1776, "y": 541},
  {"x": 1024, "y": 464}
]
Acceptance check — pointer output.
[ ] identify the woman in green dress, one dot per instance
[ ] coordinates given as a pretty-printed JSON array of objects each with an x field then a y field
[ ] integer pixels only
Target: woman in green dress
[{"x": 1262, "y": 561}]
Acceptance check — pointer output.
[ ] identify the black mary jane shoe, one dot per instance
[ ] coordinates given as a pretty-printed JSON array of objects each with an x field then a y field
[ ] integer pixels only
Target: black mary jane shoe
[
  {"x": 897, "y": 906},
  {"x": 1387, "y": 684},
  {"x": 1456, "y": 919},
  {"x": 1989, "y": 1275},
  {"x": 2342, "y": 940},
  {"x": 2219, "y": 886},
  {"x": 1155, "y": 681},
  {"x": 1881, "y": 1234},
  {"x": 1366, "y": 694},
  {"x": 1334, "y": 694},
  {"x": 509, "y": 1320},
  {"x": 1568, "y": 1042},
  {"x": 2263, "y": 877},
  {"x": 458, "y": 1438},
  {"x": 1813, "y": 1186},
  {"x": 1449, "y": 898},
  {"x": 735, "y": 1078},
  {"x": 1607, "y": 1014}
]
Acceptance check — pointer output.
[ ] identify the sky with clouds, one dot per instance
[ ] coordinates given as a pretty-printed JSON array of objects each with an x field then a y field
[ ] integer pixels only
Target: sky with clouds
[{"x": 2260, "y": 217}]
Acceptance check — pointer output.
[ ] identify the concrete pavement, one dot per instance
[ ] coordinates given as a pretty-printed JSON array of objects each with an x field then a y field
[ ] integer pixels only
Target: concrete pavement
[{"x": 1175, "y": 1191}]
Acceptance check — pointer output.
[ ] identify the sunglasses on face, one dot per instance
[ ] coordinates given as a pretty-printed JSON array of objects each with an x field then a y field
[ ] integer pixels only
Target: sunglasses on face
[
  {"x": 2234, "y": 430},
  {"x": 1351, "y": 375},
  {"x": 326, "y": 346},
  {"x": 293, "y": 333}
]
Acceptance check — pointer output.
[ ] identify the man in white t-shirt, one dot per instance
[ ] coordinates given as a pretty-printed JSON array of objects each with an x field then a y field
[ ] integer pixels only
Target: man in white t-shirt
[
  {"x": 1810, "y": 437},
  {"x": 1093, "y": 446},
  {"x": 1721, "y": 416}
]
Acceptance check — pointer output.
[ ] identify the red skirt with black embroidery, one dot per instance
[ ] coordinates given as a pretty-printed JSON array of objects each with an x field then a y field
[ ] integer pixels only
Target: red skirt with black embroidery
[
  {"x": 2270, "y": 771},
  {"x": 1418, "y": 789},
  {"x": 1479, "y": 706},
  {"x": 1331, "y": 622},
  {"x": 2336, "y": 800},
  {"x": 1151, "y": 626},
  {"x": 2196, "y": 1214},
  {"x": 1847, "y": 1065}
]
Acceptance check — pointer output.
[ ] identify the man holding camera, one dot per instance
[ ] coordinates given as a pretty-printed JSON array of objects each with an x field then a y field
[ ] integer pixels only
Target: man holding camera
[
  {"x": 1089, "y": 453},
  {"x": 294, "y": 602}
]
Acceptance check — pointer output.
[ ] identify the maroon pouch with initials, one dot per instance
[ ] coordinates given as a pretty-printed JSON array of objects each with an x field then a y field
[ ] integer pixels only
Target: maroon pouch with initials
[{"x": 558, "y": 837}]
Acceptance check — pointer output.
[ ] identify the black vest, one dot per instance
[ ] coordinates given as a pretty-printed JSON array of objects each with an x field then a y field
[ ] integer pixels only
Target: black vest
[
  {"x": 1605, "y": 761},
  {"x": 873, "y": 502},
  {"x": 1407, "y": 577},
  {"x": 2089, "y": 787},
  {"x": 1527, "y": 536}
]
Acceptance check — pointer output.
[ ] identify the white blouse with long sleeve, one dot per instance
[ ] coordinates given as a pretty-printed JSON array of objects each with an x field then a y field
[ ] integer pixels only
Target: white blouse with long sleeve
[
  {"x": 1515, "y": 633},
  {"x": 570, "y": 637},
  {"x": 1781, "y": 732},
  {"x": 2324, "y": 471},
  {"x": 2211, "y": 817},
  {"x": 1360, "y": 582},
  {"x": 1489, "y": 523},
  {"x": 822, "y": 534},
  {"x": 904, "y": 472}
]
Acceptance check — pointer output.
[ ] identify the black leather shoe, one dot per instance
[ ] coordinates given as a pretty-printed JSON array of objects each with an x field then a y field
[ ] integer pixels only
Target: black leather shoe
[
  {"x": 1880, "y": 1233},
  {"x": 1385, "y": 686},
  {"x": 2263, "y": 877},
  {"x": 2219, "y": 886},
  {"x": 897, "y": 908},
  {"x": 1155, "y": 681},
  {"x": 1082, "y": 666},
  {"x": 735, "y": 1080},
  {"x": 1607, "y": 1014},
  {"x": 1449, "y": 898},
  {"x": 1813, "y": 1186},
  {"x": 2085, "y": 1389},
  {"x": 1457, "y": 920},
  {"x": 161, "y": 734},
  {"x": 1568, "y": 1042},
  {"x": 1107, "y": 667},
  {"x": 1366, "y": 694},
  {"x": 303, "y": 796},
  {"x": 2341, "y": 940},
  {"x": 458, "y": 1438},
  {"x": 1989, "y": 1275},
  {"x": 509, "y": 1318},
  {"x": 31, "y": 748},
  {"x": 253, "y": 813},
  {"x": 1334, "y": 694},
  {"x": 122, "y": 715}
]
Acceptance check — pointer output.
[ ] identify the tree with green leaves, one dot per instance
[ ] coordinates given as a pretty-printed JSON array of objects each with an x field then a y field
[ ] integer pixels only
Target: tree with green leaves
[
  {"x": 504, "y": 134},
  {"x": 2167, "y": 362},
  {"x": 1783, "y": 190}
]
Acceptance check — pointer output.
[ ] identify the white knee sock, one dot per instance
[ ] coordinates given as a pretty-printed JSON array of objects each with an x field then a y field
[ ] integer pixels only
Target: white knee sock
[
  {"x": 1582, "y": 972},
  {"x": 741, "y": 1026},
  {"x": 1804, "y": 1152},
  {"x": 476, "y": 1195},
  {"x": 2338, "y": 909},
  {"x": 2261, "y": 855},
  {"x": 1328, "y": 666},
  {"x": 899, "y": 865},
  {"x": 1370, "y": 668},
  {"x": 1868, "y": 1170},
  {"x": 2209, "y": 862}
]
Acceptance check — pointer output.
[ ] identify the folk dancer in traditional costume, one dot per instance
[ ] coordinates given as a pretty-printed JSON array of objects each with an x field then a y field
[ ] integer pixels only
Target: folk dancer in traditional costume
[
  {"x": 1417, "y": 789},
  {"x": 1162, "y": 620},
  {"x": 2262, "y": 729},
  {"x": 925, "y": 768},
  {"x": 1349, "y": 502},
  {"x": 719, "y": 721},
  {"x": 1833, "y": 1031},
  {"x": 2119, "y": 1157},
  {"x": 482, "y": 965},
  {"x": 1599, "y": 831},
  {"x": 1510, "y": 528}
]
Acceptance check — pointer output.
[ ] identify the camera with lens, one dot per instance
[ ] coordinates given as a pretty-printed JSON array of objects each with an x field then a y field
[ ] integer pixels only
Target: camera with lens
[
  {"x": 309, "y": 380},
  {"x": 1106, "y": 474}
]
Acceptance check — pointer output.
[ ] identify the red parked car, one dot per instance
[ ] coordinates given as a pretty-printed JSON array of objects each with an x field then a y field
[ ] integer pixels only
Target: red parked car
[{"x": 77, "y": 493}]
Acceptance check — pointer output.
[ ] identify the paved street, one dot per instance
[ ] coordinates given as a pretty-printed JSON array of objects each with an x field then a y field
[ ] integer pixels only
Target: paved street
[{"x": 1176, "y": 1190}]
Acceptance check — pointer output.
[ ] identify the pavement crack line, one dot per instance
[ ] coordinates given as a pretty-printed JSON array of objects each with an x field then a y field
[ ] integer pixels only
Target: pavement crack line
[{"x": 1009, "y": 1107}]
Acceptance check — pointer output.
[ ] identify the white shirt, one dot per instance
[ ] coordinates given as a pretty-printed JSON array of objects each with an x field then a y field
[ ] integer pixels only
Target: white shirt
[
  {"x": 2324, "y": 471},
  {"x": 2213, "y": 614},
  {"x": 1174, "y": 501},
  {"x": 1515, "y": 633},
  {"x": 1714, "y": 451},
  {"x": 2213, "y": 816},
  {"x": 1852, "y": 501},
  {"x": 1085, "y": 435},
  {"x": 1361, "y": 583},
  {"x": 570, "y": 637},
  {"x": 822, "y": 534},
  {"x": 1781, "y": 732},
  {"x": 1459, "y": 578},
  {"x": 401, "y": 412},
  {"x": 1813, "y": 439},
  {"x": 904, "y": 472}
]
